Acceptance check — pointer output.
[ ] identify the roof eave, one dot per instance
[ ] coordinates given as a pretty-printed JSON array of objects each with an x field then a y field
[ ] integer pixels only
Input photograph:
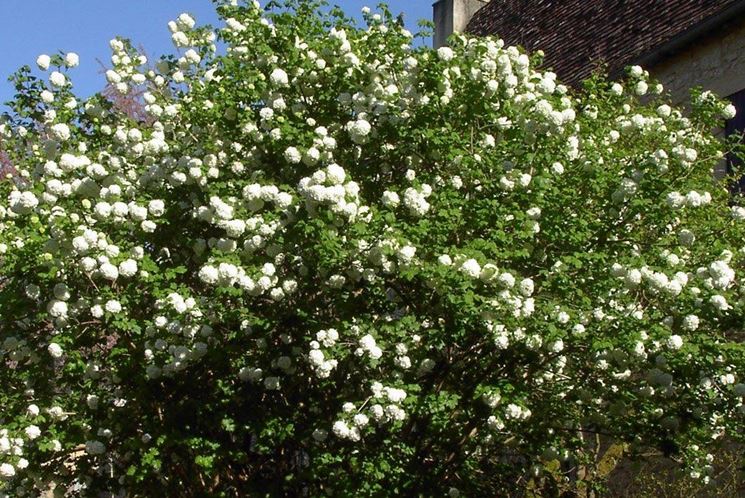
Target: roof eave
[{"x": 683, "y": 39}]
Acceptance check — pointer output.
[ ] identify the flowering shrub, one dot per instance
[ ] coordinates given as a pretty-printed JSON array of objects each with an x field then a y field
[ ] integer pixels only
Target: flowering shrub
[{"x": 328, "y": 262}]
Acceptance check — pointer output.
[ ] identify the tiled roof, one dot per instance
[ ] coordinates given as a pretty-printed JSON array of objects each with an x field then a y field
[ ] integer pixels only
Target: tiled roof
[{"x": 577, "y": 35}]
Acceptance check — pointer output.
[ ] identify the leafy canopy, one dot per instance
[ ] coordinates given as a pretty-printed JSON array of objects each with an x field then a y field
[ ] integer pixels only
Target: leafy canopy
[{"x": 330, "y": 262}]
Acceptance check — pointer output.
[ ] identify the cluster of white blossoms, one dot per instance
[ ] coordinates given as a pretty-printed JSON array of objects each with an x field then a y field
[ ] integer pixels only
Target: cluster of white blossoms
[
  {"x": 415, "y": 199},
  {"x": 265, "y": 281},
  {"x": 717, "y": 276},
  {"x": 386, "y": 409},
  {"x": 22, "y": 202},
  {"x": 359, "y": 130},
  {"x": 126, "y": 68},
  {"x": 12, "y": 448},
  {"x": 333, "y": 237},
  {"x": 316, "y": 357},
  {"x": 693, "y": 198},
  {"x": 331, "y": 187},
  {"x": 368, "y": 346}
]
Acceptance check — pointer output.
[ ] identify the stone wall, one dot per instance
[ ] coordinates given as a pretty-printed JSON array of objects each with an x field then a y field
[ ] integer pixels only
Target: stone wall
[
  {"x": 452, "y": 16},
  {"x": 715, "y": 62}
]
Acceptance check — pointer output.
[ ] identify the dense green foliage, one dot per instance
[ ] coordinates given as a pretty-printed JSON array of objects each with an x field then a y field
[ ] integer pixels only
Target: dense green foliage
[{"x": 331, "y": 263}]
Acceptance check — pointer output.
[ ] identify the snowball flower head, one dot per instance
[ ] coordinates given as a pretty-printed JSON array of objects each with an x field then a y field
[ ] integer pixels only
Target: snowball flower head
[
  {"x": 445, "y": 53},
  {"x": 444, "y": 259},
  {"x": 359, "y": 129},
  {"x": 43, "y": 62},
  {"x": 57, "y": 309},
  {"x": 185, "y": 21},
  {"x": 391, "y": 199},
  {"x": 7, "y": 470},
  {"x": 72, "y": 59},
  {"x": 293, "y": 155},
  {"x": 636, "y": 71},
  {"x": 113, "y": 77},
  {"x": 156, "y": 207},
  {"x": 335, "y": 174},
  {"x": 61, "y": 132},
  {"x": 729, "y": 111},
  {"x": 55, "y": 350},
  {"x": 192, "y": 56},
  {"x": 279, "y": 77},
  {"x": 719, "y": 302},
  {"x": 209, "y": 274},
  {"x": 109, "y": 271},
  {"x": 471, "y": 268},
  {"x": 32, "y": 432},
  {"x": 128, "y": 268},
  {"x": 57, "y": 79},
  {"x": 690, "y": 322},
  {"x": 113, "y": 306},
  {"x": 674, "y": 342},
  {"x": 526, "y": 287}
]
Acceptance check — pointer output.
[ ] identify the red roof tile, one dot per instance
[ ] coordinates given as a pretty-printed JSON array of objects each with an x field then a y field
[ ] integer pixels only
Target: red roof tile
[{"x": 578, "y": 35}]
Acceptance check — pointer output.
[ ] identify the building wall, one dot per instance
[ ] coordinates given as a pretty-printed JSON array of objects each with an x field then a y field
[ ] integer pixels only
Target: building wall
[
  {"x": 716, "y": 62},
  {"x": 452, "y": 16}
]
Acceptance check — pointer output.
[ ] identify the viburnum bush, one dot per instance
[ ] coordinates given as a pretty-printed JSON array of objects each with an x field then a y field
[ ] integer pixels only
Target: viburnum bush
[{"x": 325, "y": 261}]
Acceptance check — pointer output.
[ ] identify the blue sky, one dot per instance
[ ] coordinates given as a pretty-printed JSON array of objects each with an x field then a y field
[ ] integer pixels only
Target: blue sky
[{"x": 33, "y": 27}]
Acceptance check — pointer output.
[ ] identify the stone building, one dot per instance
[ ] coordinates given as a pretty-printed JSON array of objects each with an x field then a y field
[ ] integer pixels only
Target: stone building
[{"x": 683, "y": 43}]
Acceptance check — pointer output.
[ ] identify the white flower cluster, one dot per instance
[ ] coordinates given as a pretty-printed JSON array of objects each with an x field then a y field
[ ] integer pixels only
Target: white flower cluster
[
  {"x": 386, "y": 409},
  {"x": 368, "y": 345},
  {"x": 692, "y": 199},
  {"x": 416, "y": 199},
  {"x": 126, "y": 70},
  {"x": 359, "y": 130},
  {"x": 264, "y": 281},
  {"x": 657, "y": 281},
  {"x": 12, "y": 448},
  {"x": 330, "y": 187},
  {"x": 718, "y": 275},
  {"x": 516, "y": 412},
  {"x": 321, "y": 366},
  {"x": 22, "y": 202}
]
